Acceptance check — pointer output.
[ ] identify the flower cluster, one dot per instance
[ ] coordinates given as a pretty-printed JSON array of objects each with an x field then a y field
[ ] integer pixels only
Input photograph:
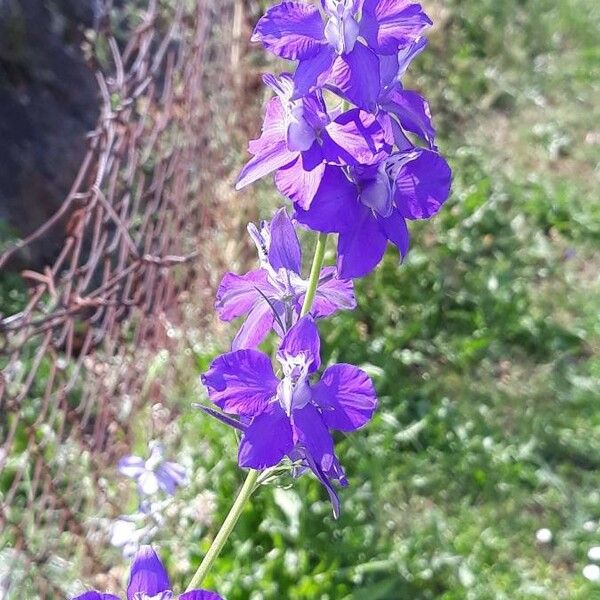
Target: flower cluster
[
  {"x": 355, "y": 153},
  {"x": 148, "y": 580},
  {"x": 362, "y": 172}
]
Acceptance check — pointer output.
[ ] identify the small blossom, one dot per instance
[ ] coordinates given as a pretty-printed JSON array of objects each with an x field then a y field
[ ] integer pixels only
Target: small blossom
[
  {"x": 272, "y": 296},
  {"x": 594, "y": 553},
  {"x": 291, "y": 416},
  {"x": 148, "y": 580},
  {"x": 154, "y": 473}
]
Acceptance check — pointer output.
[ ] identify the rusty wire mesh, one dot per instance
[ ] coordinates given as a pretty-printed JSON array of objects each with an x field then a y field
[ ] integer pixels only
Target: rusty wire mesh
[{"x": 133, "y": 221}]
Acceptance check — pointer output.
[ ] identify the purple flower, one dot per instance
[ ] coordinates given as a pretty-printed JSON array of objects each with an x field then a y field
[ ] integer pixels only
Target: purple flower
[
  {"x": 368, "y": 206},
  {"x": 148, "y": 580},
  {"x": 298, "y": 137},
  {"x": 272, "y": 296},
  {"x": 153, "y": 473},
  {"x": 291, "y": 416},
  {"x": 335, "y": 52}
]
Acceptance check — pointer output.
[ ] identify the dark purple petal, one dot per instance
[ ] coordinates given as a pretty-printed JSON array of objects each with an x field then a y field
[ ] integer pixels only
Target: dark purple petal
[
  {"x": 332, "y": 294},
  {"x": 397, "y": 231},
  {"x": 387, "y": 25},
  {"x": 406, "y": 55},
  {"x": 303, "y": 338},
  {"x": 346, "y": 397},
  {"x": 148, "y": 575},
  {"x": 312, "y": 434},
  {"x": 361, "y": 249},
  {"x": 292, "y": 30},
  {"x": 93, "y": 595},
  {"x": 356, "y": 75},
  {"x": 335, "y": 206},
  {"x": 267, "y": 440},
  {"x": 422, "y": 185},
  {"x": 413, "y": 111},
  {"x": 313, "y": 72},
  {"x": 200, "y": 595},
  {"x": 270, "y": 149},
  {"x": 356, "y": 137},
  {"x": 284, "y": 250},
  {"x": 298, "y": 183},
  {"x": 131, "y": 466},
  {"x": 237, "y": 294},
  {"x": 335, "y": 472},
  {"x": 257, "y": 325},
  {"x": 241, "y": 382}
]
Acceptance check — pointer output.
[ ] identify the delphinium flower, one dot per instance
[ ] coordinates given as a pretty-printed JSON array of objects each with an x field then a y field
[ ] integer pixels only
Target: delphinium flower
[
  {"x": 343, "y": 49},
  {"x": 291, "y": 415},
  {"x": 272, "y": 295},
  {"x": 300, "y": 136},
  {"x": 148, "y": 580},
  {"x": 369, "y": 206},
  {"x": 154, "y": 473}
]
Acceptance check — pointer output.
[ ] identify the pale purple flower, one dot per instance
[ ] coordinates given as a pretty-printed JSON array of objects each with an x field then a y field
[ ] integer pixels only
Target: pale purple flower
[
  {"x": 299, "y": 137},
  {"x": 148, "y": 580},
  {"x": 369, "y": 206},
  {"x": 272, "y": 296},
  {"x": 291, "y": 416},
  {"x": 343, "y": 50},
  {"x": 154, "y": 473}
]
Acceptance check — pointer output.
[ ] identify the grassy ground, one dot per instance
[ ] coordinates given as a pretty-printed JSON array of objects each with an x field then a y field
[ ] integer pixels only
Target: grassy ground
[{"x": 485, "y": 347}]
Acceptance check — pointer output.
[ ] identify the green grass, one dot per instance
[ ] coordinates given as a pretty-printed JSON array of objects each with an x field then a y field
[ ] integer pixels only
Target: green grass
[{"x": 484, "y": 346}]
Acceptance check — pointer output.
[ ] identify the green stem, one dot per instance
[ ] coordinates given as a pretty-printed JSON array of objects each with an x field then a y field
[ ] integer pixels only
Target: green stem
[
  {"x": 315, "y": 272},
  {"x": 225, "y": 531},
  {"x": 251, "y": 480}
]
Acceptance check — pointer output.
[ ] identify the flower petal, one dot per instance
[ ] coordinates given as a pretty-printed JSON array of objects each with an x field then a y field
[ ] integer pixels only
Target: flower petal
[
  {"x": 422, "y": 185},
  {"x": 413, "y": 111},
  {"x": 397, "y": 231},
  {"x": 171, "y": 475},
  {"x": 298, "y": 183},
  {"x": 312, "y": 434},
  {"x": 303, "y": 338},
  {"x": 335, "y": 205},
  {"x": 257, "y": 324},
  {"x": 356, "y": 76},
  {"x": 284, "y": 250},
  {"x": 360, "y": 249},
  {"x": 148, "y": 576},
  {"x": 148, "y": 483},
  {"x": 313, "y": 72},
  {"x": 335, "y": 473},
  {"x": 356, "y": 137},
  {"x": 292, "y": 30},
  {"x": 333, "y": 294},
  {"x": 237, "y": 294},
  {"x": 267, "y": 440},
  {"x": 241, "y": 382},
  {"x": 131, "y": 466},
  {"x": 200, "y": 595},
  {"x": 270, "y": 149},
  {"x": 387, "y": 25},
  {"x": 346, "y": 396}
]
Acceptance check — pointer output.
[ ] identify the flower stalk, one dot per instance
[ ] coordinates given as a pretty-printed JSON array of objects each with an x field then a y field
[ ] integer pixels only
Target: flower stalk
[{"x": 315, "y": 271}]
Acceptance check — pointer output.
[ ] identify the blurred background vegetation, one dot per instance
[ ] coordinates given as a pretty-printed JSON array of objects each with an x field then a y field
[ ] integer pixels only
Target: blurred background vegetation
[{"x": 484, "y": 346}]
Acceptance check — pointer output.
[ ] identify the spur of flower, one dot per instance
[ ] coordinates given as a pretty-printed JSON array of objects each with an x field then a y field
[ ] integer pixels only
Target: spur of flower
[
  {"x": 148, "y": 580},
  {"x": 299, "y": 136},
  {"x": 369, "y": 206},
  {"x": 272, "y": 295},
  {"x": 342, "y": 44},
  {"x": 292, "y": 414},
  {"x": 154, "y": 472}
]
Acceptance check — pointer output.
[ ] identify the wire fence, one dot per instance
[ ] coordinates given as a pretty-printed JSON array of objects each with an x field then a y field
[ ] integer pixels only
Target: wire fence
[{"x": 73, "y": 360}]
